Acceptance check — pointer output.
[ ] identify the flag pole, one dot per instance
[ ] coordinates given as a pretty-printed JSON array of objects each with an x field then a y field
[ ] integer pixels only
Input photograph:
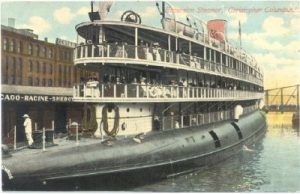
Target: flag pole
[{"x": 240, "y": 37}]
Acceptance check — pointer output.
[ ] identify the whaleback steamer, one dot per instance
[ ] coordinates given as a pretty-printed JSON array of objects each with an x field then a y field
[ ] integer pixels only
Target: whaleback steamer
[{"x": 158, "y": 101}]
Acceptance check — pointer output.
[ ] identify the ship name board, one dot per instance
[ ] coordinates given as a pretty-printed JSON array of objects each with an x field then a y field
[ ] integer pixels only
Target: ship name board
[{"x": 34, "y": 98}]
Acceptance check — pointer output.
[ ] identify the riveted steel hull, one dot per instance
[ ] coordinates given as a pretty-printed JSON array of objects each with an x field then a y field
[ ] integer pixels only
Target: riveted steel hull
[{"x": 158, "y": 155}]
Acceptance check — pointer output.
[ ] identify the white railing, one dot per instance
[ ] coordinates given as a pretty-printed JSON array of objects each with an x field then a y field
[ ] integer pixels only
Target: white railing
[
  {"x": 128, "y": 91},
  {"x": 188, "y": 120},
  {"x": 158, "y": 55}
]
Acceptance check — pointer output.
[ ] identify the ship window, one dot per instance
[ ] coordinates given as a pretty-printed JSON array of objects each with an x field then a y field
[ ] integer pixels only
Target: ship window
[
  {"x": 223, "y": 59},
  {"x": 207, "y": 53},
  {"x": 218, "y": 57},
  {"x": 216, "y": 139},
  {"x": 128, "y": 109}
]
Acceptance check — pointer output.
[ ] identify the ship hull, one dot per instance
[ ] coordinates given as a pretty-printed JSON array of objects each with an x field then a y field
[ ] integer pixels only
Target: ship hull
[{"x": 161, "y": 154}]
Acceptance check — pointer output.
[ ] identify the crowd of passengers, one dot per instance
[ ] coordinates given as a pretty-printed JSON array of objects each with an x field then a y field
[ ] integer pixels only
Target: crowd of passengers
[
  {"x": 150, "y": 51},
  {"x": 108, "y": 80}
]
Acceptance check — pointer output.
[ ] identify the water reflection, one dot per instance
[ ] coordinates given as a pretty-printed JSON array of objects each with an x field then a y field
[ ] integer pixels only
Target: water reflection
[{"x": 272, "y": 166}]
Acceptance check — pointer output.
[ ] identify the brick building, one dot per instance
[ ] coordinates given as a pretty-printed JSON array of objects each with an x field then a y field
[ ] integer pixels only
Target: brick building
[{"x": 37, "y": 79}]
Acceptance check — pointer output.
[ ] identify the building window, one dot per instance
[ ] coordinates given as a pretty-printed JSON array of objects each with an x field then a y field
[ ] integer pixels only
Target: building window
[
  {"x": 30, "y": 82},
  {"x": 59, "y": 75},
  {"x": 30, "y": 66},
  {"x": 5, "y": 44},
  {"x": 49, "y": 82},
  {"x": 65, "y": 75},
  {"x": 37, "y": 82},
  {"x": 66, "y": 55},
  {"x": 12, "y": 45},
  {"x": 38, "y": 50},
  {"x": 6, "y": 69},
  {"x": 45, "y": 68},
  {"x": 20, "y": 71},
  {"x": 70, "y": 56},
  {"x": 61, "y": 53},
  {"x": 18, "y": 48},
  {"x": 50, "y": 53},
  {"x": 21, "y": 46},
  {"x": 30, "y": 49},
  {"x": 45, "y": 52},
  {"x": 44, "y": 82},
  {"x": 14, "y": 71},
  {"x": 38, "y": 67},
  {"x": 51, "y": 69}
]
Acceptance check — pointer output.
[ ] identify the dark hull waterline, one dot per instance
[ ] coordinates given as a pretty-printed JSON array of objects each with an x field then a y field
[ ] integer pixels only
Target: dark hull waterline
[{"x": 159, "y": 155}]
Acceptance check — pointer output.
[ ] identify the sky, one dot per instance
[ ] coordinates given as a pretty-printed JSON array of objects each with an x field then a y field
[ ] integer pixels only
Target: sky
[{"x": 270, "y": 29}]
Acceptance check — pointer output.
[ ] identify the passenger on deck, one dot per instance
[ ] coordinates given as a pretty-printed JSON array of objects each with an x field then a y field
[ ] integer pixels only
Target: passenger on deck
[
  {"x": 119, "y": 50},
  {"x": 149, "y": 55},
  {"x": 143, "y": 92},
  {"x": 81, "y": 87},
  {"x": 177, "y": 125},
  {"x": 156, "y": 52},
  {"x": 193, "y": 61},
  {"x": 156, "y": 124}
]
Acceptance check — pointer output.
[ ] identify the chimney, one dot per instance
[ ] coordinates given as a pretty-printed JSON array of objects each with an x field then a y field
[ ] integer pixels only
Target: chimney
[{"x": 11, "y": 22}]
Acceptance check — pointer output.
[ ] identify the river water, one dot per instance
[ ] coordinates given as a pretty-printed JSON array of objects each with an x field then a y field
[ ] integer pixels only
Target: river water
[{"x": 271, "y": 165}]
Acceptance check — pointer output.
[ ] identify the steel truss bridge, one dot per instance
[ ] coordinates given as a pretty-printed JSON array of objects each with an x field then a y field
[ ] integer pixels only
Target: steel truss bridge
[{"x": 284, "y": 99}]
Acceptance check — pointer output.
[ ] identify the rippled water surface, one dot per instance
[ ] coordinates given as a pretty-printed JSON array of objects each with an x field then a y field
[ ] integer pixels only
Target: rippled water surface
[{"x": 271, "y": 165}]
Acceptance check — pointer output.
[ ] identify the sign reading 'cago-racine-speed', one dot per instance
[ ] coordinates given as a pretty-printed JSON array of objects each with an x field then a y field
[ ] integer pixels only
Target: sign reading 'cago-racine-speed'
[{"x": 35, "y": 98}]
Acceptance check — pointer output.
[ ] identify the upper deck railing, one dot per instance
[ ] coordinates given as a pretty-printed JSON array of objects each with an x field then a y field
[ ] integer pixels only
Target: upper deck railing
[
  {"x": 197, "y": 37},
  {"x": 92, "y": 53},
  {"x": 93, "y": 91}
]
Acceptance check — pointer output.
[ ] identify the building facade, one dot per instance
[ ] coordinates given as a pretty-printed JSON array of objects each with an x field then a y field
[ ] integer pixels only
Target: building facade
[{"x": 37, "y": 79}]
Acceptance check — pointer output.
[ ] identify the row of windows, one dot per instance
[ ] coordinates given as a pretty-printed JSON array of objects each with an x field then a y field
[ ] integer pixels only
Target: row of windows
[
  {"x": 37, "y": 82},
  {"x": 17, "y": 69},
  {"x": 48, "y": 83},
  {"x": 18, "y": 46}
]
